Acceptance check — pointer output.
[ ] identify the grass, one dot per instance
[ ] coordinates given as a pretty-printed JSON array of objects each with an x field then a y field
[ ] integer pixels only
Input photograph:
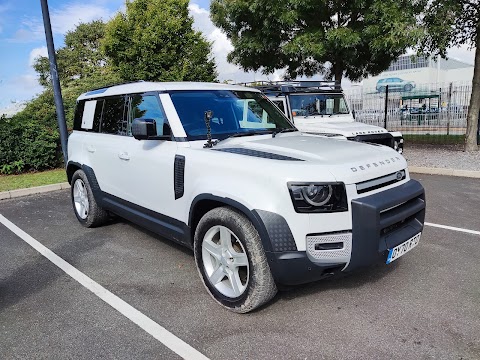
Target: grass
[
  {"x": 13, "y": 182},
  {"x": 434, "y": 139}
]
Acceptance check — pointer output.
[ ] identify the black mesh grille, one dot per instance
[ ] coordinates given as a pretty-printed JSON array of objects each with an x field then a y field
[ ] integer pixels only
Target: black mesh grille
[
  {"x": 380, "y": 139},
  {"x": 179, "y": 176},
  {"x": 256, "y": 153}
]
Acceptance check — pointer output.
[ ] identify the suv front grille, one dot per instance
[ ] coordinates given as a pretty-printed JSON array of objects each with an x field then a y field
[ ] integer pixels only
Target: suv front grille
[
  {"x": 377, "y": 183},
  {"x": 378, "y": 139}
]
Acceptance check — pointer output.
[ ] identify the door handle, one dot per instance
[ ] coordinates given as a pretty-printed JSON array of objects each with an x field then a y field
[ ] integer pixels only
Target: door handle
[
  {"x": 90, "y": 149},
  {"x": 124, "y": 156}
]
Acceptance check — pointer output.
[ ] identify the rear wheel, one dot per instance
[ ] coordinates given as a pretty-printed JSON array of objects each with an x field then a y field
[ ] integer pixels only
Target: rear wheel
[
  {"x": 231, "y": 261},
  {"x": 88, "y": 212}
]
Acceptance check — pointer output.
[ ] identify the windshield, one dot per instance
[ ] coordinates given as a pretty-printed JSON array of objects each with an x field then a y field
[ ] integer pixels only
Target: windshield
[
  {"x": 318, "y": 104},
  {"x": 234, "y": 112}
]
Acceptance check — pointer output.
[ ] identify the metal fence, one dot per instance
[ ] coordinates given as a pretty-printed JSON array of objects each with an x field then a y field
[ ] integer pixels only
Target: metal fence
[{"x": 428, "y": 113}]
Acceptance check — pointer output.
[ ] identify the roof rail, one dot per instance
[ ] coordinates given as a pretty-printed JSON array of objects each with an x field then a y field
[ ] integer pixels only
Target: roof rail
[
  {"x": 294, "y": 86},
  {"x": 116, "y": 84}
]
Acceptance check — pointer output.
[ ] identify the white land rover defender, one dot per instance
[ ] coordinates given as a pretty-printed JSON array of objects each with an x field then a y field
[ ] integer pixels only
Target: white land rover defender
[
  {"x": 221, "y": 170},
  {"x": 319, "y": 107}
]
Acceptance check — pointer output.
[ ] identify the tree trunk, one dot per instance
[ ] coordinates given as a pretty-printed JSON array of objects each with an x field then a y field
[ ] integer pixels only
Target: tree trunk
[
  {"x": 338, "y": 73},
  {"x": 474, "y": 108}
]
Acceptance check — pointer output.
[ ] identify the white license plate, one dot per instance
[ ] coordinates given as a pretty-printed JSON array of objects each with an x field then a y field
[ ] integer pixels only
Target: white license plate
[{"x": 403, "y": 248}]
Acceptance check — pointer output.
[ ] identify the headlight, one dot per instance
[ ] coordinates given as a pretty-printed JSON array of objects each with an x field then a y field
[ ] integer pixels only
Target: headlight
[
  {"x": 318, "y": 197},
  {"x": 398, "y": 145}
]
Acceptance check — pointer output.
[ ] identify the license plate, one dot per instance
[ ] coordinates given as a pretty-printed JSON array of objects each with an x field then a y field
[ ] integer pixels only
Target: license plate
[{"x": 403, "y": 248}]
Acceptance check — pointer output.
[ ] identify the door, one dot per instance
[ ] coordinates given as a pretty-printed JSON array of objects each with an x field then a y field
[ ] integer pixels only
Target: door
[
  {"x": 102, "y": 146},
  {"x": 147, "y": 166}
]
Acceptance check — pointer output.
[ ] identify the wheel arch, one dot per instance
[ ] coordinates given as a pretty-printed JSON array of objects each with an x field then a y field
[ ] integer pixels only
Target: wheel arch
[
  {"x": 71, "y": 168},
  {"x": 203, "y": 203}
]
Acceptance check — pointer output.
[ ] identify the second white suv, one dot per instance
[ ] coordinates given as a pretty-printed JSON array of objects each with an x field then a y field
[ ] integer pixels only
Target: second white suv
[
  {"x": 320, "y": 107},
  {"x": 220, "y": 169}
]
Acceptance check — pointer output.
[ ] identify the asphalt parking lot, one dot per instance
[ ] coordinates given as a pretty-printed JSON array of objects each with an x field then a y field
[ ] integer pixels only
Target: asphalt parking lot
[{"x": 426, "y": 305}]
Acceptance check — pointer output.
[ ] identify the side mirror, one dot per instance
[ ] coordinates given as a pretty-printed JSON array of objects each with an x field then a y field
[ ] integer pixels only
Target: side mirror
[
  {"x": 146, "y": 129},
  {"x": 142, "y": 129}
]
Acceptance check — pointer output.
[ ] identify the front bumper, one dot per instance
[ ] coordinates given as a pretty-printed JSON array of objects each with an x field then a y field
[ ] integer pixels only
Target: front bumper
[{"x": 379, "y": 223}]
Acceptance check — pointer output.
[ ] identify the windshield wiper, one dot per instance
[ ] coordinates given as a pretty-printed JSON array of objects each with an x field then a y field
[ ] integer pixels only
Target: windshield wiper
[
  {"x": 314, "y": 113},
  {"x": 275, "y": 133}
]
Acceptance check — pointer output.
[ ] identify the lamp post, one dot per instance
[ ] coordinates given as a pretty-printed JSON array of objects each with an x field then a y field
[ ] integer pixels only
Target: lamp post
[{"x": 57, "y": 91}]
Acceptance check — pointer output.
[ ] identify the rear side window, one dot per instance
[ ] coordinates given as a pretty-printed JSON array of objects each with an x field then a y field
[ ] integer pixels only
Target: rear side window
[
  {"x": 113, "y": 116},
  {"x": 87, "y": 115},
  {"x": 77, "y": 120}
]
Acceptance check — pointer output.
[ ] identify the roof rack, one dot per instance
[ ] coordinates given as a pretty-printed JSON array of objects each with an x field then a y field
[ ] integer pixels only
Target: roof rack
[{"x": 294, "y": 86}]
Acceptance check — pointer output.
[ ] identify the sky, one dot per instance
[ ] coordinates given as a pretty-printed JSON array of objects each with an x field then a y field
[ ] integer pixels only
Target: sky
[{"x": 22, "y": 39}]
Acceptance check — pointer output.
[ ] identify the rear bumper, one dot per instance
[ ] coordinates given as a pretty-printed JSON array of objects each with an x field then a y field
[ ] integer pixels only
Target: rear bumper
[{"x": 379, "y": 223}]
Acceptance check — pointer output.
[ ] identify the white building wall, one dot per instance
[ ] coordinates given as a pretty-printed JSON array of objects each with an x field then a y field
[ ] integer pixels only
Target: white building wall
[{"x": 423, "y": 76}]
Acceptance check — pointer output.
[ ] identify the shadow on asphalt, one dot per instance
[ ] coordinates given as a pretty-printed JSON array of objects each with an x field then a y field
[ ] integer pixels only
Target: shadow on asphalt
[{"x": 356, "y": 279}]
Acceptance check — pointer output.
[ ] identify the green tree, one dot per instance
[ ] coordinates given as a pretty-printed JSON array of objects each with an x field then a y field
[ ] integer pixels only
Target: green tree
[
  {"x": 30, "y": 140},
  {"x": 452, "y": 23},
  {"x": 154, "y": 40},
  {"x": 353, "y": 38},
  {"x": 81, "y": 56}
]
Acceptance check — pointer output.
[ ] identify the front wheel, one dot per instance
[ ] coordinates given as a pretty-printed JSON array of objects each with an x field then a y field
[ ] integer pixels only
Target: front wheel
[
  {"x": 231, "y": 261},
  {"x": 85, "y": 206}
]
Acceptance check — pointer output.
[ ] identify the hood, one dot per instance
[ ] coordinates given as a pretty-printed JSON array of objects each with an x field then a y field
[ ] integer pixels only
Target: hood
[
  {"x": 347, "y": 161},
  {"x": 317, "y": 124}
]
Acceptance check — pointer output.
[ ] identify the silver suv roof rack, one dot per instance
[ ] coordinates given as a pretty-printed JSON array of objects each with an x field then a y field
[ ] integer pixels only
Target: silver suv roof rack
[{"x": 294, "y": 86}]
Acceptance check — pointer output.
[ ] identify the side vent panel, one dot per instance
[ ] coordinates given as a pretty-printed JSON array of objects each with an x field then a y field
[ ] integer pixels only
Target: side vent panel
[
  {"x": 179, "y": 176},
  {"x": 256, "y": 153}
]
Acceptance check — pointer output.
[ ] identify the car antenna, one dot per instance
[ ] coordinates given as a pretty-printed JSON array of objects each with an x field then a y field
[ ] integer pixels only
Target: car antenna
[{"x": 208, "y": 118}]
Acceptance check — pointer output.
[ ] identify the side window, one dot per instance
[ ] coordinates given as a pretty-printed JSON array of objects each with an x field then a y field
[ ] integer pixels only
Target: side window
[
  {"x": 147, "y": 107},
  {"x": 113, "y": 121},
  {"x": 77, "y": 120},
  {"x": 87, "y": 115},
  {"x": 97, "y": 116}
]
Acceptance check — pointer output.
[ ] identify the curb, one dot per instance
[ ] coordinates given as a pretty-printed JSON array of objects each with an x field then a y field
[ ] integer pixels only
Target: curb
[
  {"x": 62, "y": 186},
  {"x": 446, "y": 172},
  {"x": 33, "y": 190}
]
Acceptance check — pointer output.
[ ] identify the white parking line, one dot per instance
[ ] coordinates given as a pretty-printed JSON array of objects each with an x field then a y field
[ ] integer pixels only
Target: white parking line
[
  {"x": 168, "y": 339},
  {"x": 474, "y": 232}
]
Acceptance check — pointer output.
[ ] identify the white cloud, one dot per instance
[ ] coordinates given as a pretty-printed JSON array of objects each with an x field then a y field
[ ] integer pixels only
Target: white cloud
[
  {"x": 462, "y": 53},
  {"x": 35, "y": 53},
  {"x": 18, "y": 89},
  {"x": 221, "y": 47},
  {"x": 12, "y": 108},
  {"x": 62, "y": 19},
  {"x": 69, "y": 16}
]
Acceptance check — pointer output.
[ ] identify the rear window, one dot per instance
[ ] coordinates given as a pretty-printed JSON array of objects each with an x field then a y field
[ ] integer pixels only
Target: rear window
[
  {"x": 77, "y": 120},
  {"x": 90, "y": 120}
]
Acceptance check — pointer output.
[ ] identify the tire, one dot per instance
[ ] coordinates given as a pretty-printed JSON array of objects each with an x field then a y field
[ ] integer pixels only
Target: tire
[
  {"x": 231, "y": 261},
  {"x": 408, "y": 87},
  {"x": 85, "y": 207},
  {"x": 382, "y": 89}
]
